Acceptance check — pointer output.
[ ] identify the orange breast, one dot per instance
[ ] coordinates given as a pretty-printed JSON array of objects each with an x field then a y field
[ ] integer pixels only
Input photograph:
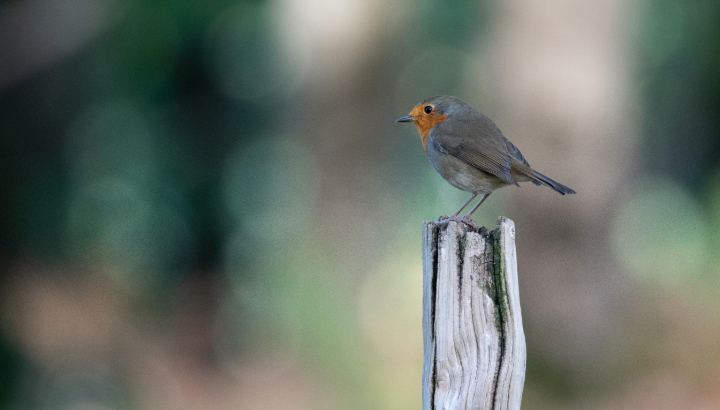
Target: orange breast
[{"x": 425, "y": 122}]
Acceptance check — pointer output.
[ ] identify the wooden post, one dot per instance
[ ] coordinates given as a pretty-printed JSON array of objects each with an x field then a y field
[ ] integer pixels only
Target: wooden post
[{"x": 472, "y": 327}]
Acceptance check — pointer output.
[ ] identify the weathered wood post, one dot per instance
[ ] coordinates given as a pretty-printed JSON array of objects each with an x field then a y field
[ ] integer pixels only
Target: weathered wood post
[{"x": 472, "y": 327}]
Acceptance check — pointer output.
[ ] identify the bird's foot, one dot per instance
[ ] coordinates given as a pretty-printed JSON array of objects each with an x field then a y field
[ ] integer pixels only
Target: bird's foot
[
  {"x": 466, "y": 219},
  {"x": 453, "y": 218}
]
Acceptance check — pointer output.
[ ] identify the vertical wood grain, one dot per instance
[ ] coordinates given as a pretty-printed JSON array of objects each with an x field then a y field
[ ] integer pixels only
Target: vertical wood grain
[{"x": 474, "y": 345}]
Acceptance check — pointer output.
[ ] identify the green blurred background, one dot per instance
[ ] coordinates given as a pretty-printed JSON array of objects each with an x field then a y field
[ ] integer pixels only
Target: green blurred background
[{"x": 208, "y": 205}]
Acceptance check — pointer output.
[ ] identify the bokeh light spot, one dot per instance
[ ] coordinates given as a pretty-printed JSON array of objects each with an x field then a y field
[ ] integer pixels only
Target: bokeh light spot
[
  {"x": 124, "y": 213},
  {"x": 659, "y": 233},
  {"x": 271, "y": 186},
  {"x": 388, "y": 301}
]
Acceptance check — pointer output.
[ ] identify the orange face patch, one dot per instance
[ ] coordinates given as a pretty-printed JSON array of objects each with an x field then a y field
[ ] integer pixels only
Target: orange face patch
[{"x": 425, "y": 122}]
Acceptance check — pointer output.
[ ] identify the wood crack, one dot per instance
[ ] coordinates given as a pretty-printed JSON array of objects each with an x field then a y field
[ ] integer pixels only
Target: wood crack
[{"x": 500, "y": 312}]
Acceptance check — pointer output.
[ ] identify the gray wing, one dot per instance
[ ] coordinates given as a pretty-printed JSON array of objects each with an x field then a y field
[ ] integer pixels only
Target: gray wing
[{"x": 483, "y": 155}]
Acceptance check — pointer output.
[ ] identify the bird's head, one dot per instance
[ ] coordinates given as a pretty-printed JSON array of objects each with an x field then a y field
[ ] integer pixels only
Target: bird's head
[{"x": 432, "y": 112}]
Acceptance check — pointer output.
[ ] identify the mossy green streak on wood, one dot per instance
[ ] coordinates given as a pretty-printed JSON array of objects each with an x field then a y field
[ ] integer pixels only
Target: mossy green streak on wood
[{"x": 499, "y": 274}]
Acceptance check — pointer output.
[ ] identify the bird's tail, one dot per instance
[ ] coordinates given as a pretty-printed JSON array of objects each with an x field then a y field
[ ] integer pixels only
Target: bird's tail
[{"x": 540, "y": 179}]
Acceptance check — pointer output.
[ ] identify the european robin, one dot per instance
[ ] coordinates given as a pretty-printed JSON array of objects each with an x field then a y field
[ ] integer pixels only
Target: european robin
[{"x": 470, "y": 151}]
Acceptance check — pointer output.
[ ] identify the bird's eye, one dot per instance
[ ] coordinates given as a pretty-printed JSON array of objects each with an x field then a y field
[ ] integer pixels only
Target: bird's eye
[{"x": 428, "y": 109}]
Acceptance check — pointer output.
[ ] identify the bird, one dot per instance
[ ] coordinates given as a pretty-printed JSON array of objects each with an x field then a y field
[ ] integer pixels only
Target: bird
[{"x": 470, "y": 152}]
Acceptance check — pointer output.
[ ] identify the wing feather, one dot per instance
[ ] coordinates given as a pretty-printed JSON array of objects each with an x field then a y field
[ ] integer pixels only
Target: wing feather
[
  {"x": 478, "y": 154},
  {"x": 492, "y": 152}
]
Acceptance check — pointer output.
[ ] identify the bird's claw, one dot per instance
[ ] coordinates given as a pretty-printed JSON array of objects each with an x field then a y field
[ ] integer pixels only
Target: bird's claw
[
  {"x": 449, "y": 218},
  {"x": 466, "y": 219}
]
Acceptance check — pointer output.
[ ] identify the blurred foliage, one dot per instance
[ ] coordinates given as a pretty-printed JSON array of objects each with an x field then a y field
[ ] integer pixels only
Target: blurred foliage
[
  {"x": 196, "y": 189},
  {"x": 680, "y": 85},
  {"x": 679, "y": 77},
  {"x": 159, "y": 151}
]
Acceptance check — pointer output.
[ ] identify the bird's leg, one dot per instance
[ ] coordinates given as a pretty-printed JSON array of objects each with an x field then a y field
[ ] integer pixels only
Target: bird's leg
[
  {"x": 466, "y": 218},
  {"x": 454, "y": 217},
  {"x": 464, "y": 205}
]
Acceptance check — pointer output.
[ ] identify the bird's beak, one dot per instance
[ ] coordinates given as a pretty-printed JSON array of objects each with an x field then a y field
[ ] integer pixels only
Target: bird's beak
[{"x": 407, "y": 118}]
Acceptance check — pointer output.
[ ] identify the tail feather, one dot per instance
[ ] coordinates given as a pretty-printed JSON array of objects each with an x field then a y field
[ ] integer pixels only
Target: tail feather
[
  {"x": 540, "y": 179},
  {"x": 562, "y": 189}
]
